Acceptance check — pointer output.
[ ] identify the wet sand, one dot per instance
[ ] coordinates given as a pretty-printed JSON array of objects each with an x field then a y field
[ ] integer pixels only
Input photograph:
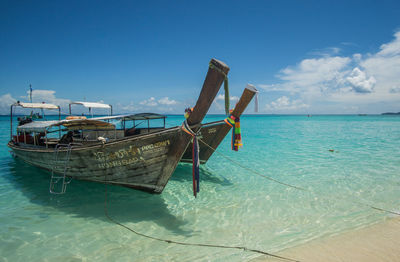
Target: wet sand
[{"x": 376, "y": 243}]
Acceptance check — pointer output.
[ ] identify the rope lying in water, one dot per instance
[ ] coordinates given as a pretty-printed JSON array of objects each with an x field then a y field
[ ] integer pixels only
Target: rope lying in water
[
  {"x": 251, "y": 170},
  {"x": 285, "y": 184},
  {"x": 223, "y": 246},
  {"x": 184, "y": 243}
]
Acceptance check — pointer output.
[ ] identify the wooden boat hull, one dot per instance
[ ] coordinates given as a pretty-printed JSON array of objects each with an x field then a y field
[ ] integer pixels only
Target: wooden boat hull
[
  {"x": 212, "y": 134},
  {"x": 144, "y": 162},
  {"x": 133, "y": 162}
]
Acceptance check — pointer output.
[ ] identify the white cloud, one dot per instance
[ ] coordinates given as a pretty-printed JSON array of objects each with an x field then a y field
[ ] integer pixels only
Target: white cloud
[
  {"x": 384, "y": 66},
  {"x": 219, "y": 103},
  {"x": 284, "y": 104},
  {"x": 164, "y": 104},
  {"x": 149, "y": 102},
  {"x": 167, "y": 101},
  {"x": 392, "y": 48},
  {"x": 357, "y": 58},
  {"x": 38, "y": 96},
  {"x": 356, "y": 81},
  {"x": 267, "y": 87},
  {"x": 6, "y": 101},
  {"x": 315, "y": 75},
  {"x": 129, "y": 108},
  {"x": 231, "y": 98},
  {"x": 48, "y": 96},
  {"x": 326, "y": 51}
]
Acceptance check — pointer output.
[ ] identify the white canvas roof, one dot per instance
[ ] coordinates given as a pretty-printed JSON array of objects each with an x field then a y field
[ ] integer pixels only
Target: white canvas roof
[
  {"x": 37, "y": 126},
  {"x": 140, "y": 116},
  {"x": 75, "y": 124},
  {"x": 92, "y": 104},
  {"x": 37, "y": 105}
]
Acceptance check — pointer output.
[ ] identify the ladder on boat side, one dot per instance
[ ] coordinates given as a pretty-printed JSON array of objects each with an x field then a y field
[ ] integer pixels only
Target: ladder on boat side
[{"x": 55, "y": 187}]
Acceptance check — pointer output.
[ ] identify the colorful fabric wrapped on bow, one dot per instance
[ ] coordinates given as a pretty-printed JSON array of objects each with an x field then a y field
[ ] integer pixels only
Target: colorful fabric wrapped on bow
[{"x": 234, "y": 122}]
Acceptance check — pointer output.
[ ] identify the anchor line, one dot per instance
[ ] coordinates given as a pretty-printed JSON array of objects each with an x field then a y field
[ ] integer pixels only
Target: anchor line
[
  {"x": 216, "y": 245},
  {"x": 289, "y": 185},
  {"x": 186, "y": 243}
]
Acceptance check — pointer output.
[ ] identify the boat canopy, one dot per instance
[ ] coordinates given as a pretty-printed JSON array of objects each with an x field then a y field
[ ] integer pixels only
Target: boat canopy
[
  {"x": 36, "y": 105},
  {"x": 75, "y": 124},
  {"x": 140, "y": 116},
  {"x": 145, "y": 116},
  {"x": 91, "y": 104},
  {"x": 37, "y": 126}
]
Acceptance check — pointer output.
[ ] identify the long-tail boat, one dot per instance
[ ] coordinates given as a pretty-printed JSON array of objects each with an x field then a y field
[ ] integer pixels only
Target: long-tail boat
[
  {"x": 212, "y": 134},
  {"x": 95, "y": 150}
]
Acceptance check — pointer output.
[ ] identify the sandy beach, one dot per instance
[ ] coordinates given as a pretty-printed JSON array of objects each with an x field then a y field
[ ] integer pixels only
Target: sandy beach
[{"x": 376, "y": 243}]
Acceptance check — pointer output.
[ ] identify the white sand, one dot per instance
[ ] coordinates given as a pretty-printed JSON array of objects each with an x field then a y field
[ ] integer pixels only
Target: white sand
[{"x": 380, "y": 242}]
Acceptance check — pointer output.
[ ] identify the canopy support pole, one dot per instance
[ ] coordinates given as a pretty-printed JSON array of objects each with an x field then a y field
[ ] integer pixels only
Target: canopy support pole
[
  {"x": 45, "y": 133},
  {"x": 59, "y": 119},
  {"x": 11, "y": 123}
]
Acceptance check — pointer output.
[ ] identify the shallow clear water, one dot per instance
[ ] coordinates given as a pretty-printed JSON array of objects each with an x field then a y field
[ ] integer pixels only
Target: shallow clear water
[{"x": 234, "y": 207}]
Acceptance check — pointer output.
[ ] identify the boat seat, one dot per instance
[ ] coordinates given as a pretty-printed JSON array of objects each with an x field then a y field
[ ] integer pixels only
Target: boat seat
[{"x": 132, "y": 131}]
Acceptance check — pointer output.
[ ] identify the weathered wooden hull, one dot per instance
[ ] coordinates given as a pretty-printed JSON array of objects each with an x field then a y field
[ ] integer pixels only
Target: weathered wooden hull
[
  {"x": 144, "y": 162},
  {"x": 212, "y": 134},
  {"x": 137, "y": 162}
]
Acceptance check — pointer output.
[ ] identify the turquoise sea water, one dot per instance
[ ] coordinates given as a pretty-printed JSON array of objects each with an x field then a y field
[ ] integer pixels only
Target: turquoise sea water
[{"x": 234, "y": 206}]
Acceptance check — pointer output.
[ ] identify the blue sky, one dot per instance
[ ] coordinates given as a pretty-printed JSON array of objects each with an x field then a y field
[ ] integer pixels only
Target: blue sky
[{"x": 303, "y": 56}]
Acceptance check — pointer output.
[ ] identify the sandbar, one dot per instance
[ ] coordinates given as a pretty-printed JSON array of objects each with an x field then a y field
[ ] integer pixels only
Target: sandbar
[{"x": 376, "y": 243}]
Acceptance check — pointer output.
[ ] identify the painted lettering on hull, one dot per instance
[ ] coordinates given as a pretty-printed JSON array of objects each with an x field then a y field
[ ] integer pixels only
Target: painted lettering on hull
[
  {"x": 128, "y": 155},
  {"x": 212, "y": 130}
]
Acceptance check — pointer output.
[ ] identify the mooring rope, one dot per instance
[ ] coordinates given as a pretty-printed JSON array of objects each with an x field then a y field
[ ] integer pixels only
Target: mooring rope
[
  {"x": 216, "y": 245},
  {"x": 185, "y": 243},
  {"x": 195, "y": 156},
  {"x": 251, "y": 170},
  {"x": 288, "y": 185}
]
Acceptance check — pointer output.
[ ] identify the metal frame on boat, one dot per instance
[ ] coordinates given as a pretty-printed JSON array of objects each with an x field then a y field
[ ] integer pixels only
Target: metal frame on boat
[{"x": 28, "y": 120}]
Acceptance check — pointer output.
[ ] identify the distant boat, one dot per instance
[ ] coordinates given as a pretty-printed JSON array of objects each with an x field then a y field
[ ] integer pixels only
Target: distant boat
[
  {"x": 96, "y": 150},
  {"x": 362, "y": 114}
]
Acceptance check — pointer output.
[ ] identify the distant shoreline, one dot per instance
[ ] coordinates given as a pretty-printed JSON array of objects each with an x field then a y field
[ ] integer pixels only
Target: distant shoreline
[{"x": 391, "y": 114}]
